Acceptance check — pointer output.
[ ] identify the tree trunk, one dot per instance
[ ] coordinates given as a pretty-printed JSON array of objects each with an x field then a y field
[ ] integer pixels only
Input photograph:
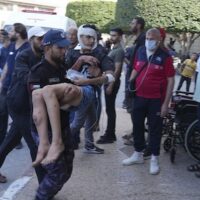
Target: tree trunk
[{"x": 186, "y": 40}]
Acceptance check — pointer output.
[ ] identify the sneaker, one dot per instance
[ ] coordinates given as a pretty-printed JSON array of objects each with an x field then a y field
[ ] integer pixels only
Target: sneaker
[
  {"x": 154, "y": 165},
  {"x": 147, "y": 154},
  {"x": 93, "y": 150},
  {"x": 136, "y": 158}
]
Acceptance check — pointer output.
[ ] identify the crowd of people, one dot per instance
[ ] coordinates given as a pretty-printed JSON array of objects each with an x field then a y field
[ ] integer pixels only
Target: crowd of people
[{"x": 51, "y": 85}]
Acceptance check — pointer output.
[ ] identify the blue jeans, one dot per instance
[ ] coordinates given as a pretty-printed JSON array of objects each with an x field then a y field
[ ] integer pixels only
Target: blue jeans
[
  {"x": 150, "y": 108},
  {"x": 85, "y": 115}
]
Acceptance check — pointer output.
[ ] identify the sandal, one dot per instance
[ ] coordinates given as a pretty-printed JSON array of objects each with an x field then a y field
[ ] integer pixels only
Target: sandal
[
  {"x": 194, "y": 167},
  {"x": 3, "y": 179}
]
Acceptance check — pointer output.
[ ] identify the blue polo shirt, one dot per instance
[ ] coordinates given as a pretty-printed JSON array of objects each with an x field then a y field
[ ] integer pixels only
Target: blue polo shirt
[{"x": 12, "y": 53}]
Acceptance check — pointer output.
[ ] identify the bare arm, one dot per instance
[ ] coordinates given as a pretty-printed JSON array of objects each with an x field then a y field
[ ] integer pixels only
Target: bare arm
[
  {"x": 94, "y": 81},
  {"x": 133, "y": 75}
]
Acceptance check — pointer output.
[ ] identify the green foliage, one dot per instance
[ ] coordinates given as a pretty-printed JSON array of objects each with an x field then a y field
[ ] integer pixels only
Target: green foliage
[
  {"x": 100, "y": 13},
  {"x": 174, "y": 15},
  {"x": 125, "y": 11}
]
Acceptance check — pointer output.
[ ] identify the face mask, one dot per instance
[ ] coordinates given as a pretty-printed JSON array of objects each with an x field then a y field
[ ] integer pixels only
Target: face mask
[{"x": 150, "y": 44}]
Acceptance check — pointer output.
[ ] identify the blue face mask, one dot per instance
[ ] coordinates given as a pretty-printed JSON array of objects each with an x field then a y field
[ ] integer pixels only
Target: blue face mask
[{"x": 150, "y": 44}]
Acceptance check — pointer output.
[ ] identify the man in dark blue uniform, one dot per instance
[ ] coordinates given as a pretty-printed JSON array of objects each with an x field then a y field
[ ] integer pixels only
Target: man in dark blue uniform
[
  {"x": 50, "y": 71},
  {"x": 18, "y": 99}
]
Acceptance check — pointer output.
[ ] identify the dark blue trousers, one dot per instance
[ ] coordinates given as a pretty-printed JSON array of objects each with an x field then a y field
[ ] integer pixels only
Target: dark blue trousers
[
  {"x": 58, "y": 172},
  {"x": 150, "y": 108}
]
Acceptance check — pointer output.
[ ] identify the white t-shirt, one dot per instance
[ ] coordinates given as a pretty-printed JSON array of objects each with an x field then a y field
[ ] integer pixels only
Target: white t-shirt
[
  {"x": 197, "y": 89},
  {"x": 198, "y": 65}
]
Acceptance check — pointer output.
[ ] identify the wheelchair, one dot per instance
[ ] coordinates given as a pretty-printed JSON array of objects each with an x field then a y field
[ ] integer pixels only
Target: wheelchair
[{"x": 181, "y": 127}]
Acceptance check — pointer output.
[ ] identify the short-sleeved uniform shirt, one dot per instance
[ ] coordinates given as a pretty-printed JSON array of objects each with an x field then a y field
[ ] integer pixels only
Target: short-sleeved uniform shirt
[
  {"x": 117, "y": 54},
  {"x": 189, "y": 68},
  {"x": 12, "y": 53},
  {"x": 45, "y": 74},
  {"x": 152, "y": 81}
]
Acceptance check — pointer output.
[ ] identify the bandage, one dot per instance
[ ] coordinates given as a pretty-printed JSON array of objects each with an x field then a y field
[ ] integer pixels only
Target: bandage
[
  {"x": 87, "y": 31},
  {"x": 110, "y": 77}
]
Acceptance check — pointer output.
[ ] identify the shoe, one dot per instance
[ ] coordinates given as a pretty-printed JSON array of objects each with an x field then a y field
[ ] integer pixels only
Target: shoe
[
  {"x": 96, "y": 128},
  {"x": 194, "y": 167},
  {"x": 93, "y": 150},
  {"x": 104, "y": 139},
  {"x": 19, "y": 146},
  {"x": 129, "y": 142},
  {"x": 127, "y": 136},
  {"x": 154, "y": 165},
  {"x": 3, "y": 179},
  {"x": 147, "y": 154},
  {"x": 136, "y": 158}
]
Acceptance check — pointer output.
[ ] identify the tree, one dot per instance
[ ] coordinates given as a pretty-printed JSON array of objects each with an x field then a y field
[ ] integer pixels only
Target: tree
[
  {"x": 100, "y": 13},
  {"x": 180, "y": 17}
]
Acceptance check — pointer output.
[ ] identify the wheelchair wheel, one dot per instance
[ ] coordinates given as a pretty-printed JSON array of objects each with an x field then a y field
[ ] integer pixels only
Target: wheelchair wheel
[
  {"x": 192, "y": 140},
  {"x": 167, "y": 144},
  {"x": 172, "y": 154}
]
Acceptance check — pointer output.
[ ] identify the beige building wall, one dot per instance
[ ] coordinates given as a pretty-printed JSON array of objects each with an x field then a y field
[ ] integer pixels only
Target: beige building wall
[{"x": 8, "y": 6}]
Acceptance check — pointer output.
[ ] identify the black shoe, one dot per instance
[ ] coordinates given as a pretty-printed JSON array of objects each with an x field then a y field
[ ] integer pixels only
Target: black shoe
[
  {"x": 106, "y": 140},
  {"x": 93, "y": 150},
  {"x": 147, "y": 153},
  {"x": 129, "y": 142},
  {"x": 127, "y": 136},
  {"x": 19, "y": 146}
]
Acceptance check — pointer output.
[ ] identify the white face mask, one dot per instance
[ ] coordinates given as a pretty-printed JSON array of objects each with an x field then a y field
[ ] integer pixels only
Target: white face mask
[{"x": 150, "y": 44}]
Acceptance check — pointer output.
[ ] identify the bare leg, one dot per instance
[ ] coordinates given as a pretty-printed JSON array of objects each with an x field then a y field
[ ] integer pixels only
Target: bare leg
[
  {"x": 40, "y": 120},
  {"x": 54, "y": 96}
]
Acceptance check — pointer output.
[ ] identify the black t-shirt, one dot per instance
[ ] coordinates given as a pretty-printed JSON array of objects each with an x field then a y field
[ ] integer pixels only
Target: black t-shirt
[
  {"x": 45, "y": 74},
  {"x": 140, "y": 41}
]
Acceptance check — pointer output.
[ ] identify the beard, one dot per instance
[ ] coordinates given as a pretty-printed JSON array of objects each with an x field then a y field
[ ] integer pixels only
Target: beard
[
  {"x": 134, "y": 30},
  {"x": 37, "y": 49},
  {"x": 58, "y": 60}
]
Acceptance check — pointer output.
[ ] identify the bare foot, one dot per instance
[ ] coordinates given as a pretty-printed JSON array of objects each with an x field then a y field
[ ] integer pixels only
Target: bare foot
[
  {"x": 54, "y": 152},
  {"x": 42, "y": 152}
]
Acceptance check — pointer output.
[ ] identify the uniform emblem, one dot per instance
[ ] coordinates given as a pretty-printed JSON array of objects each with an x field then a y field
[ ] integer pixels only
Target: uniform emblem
[{"x": 158, "y": 59}]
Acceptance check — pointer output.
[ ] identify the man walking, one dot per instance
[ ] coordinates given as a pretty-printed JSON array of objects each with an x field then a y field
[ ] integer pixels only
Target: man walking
[
  {"x": 51, "y": 71},
  {"x": 18, "y": 99}
]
